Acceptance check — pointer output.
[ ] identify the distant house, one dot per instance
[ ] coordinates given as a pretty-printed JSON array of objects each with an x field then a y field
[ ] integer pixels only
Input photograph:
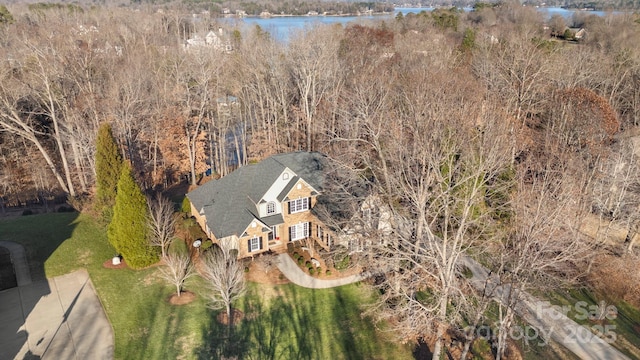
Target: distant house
[
  {"x": 579, "y": 33},
  {"x": 264, "y": 206},
  {"x": 212, "y": 39}
]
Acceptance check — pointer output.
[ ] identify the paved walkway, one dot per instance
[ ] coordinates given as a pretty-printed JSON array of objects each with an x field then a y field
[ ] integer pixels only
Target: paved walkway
[
  {"x": 59, "y": 318},
  {"x": 291, "y": 270},
  {"x": 550, "y": 322}
]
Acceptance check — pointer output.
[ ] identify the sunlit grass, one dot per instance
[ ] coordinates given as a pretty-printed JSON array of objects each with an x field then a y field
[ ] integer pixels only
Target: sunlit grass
[{"x": 283, "y": 321}]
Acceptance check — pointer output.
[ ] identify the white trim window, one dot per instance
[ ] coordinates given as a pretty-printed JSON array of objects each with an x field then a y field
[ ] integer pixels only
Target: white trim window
[
  {"x": 271, "y": 208},
  {"x": 299, "y": 205},
  {"x": 299, "y": 231},
  {"x": 254, "y": 244}
]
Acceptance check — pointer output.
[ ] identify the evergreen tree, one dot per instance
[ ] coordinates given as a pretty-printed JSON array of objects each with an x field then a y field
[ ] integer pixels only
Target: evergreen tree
[
  {"x": 127, "y": 231},
  {"x": 108, "y": 168}
]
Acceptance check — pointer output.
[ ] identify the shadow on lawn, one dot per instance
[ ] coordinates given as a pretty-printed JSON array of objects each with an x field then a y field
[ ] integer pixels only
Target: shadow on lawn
[
  {"x": 285, "y": 326},
  {"x": 40, "y": 235},
  {"x": 259, "y": 335},
  {"x": 296, "y": 323}
]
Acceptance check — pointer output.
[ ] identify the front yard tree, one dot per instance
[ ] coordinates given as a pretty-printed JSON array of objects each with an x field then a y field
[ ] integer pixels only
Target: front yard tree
[
  {"x": 108, "y": 169},
  {"x": 225, "y": 275},
  {"x": 161, "y": 222},
  {"x": 127, "y": 231},
  {"x": 178, "y": 269}
]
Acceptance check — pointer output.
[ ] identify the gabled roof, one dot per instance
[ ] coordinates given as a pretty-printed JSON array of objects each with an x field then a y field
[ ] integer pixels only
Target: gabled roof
[{"x": 229, "y": 203}]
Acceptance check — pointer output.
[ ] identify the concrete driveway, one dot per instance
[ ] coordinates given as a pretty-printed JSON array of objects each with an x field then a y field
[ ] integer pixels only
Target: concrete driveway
[{"x": 60, "y": 318}]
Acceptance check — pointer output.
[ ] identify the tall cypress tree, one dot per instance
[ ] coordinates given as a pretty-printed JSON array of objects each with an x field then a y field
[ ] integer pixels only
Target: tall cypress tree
[
  {"x": 108, "y": 168},
  {"x": 127, "y": 231}
]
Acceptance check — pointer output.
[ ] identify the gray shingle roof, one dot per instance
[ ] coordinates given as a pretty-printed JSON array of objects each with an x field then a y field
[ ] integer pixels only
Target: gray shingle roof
[{"x": 229, "y": 203}]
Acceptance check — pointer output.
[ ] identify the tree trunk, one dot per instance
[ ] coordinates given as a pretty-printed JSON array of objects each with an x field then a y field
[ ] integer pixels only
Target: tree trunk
[
  {"x": 78, "y": 162},
  {"x": 229, "y": 319},
  {"x": 437, "y": 347}
]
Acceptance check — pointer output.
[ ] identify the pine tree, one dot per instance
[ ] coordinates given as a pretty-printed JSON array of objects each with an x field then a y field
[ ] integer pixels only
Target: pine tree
[
  {"x": 127, "y": 231},
  {"x": 108, "y": 168}
]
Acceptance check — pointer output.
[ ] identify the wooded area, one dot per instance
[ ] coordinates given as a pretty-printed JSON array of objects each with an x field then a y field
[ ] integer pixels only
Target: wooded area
[{"x": 480, "y": 130}]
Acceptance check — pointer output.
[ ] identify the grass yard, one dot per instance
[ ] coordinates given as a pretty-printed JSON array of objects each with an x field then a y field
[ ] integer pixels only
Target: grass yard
[{"x": 283, "y": 321}]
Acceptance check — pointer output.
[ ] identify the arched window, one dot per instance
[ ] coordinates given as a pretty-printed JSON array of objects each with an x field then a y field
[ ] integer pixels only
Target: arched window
[{"x": 271, "y": 208}]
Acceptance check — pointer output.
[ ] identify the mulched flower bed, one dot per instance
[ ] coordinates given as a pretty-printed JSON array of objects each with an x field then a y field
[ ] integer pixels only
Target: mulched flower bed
[
  {"x": 109, "y": 264},
  {"x": 186, "y": 297}
]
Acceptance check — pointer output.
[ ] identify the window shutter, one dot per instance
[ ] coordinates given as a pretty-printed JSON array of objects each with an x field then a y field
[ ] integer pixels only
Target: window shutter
[
  {"x": 290, "y": 230},
  {"x": 308, "y": 203},
  {"x": 260, "y": 244},
  {"x": 289, "y": 206},
  {"x": 249, "y": 245},
  {"x": 309, "y": 226}
]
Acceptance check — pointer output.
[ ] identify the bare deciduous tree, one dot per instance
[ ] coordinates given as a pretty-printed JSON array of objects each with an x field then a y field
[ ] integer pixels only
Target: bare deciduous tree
[
  {"x": 443, "y": 165},
  {"x": 225, "y": 276},
  {"x": 178, "y": 268},
  {"x": 545, "y": 248},
  {"x": 161, "y": 222}
]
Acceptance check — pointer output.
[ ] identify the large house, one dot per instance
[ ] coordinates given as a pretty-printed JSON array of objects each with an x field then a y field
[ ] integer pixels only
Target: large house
[{"x": 265, "y": 206}]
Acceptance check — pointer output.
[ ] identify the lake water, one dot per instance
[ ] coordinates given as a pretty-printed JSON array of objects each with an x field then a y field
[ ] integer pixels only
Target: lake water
[{"x": 283, "y": 27}]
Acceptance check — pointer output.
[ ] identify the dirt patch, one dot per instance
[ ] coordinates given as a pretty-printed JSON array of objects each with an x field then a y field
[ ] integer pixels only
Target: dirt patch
[
  {"x": 237, "y": 317},
  {"x": 109, "y": 264},
  {"x": 186, "y": 297}
]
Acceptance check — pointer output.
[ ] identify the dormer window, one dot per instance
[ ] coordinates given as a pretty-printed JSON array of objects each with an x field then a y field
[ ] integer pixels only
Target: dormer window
[{"x": 271, "y": 208}]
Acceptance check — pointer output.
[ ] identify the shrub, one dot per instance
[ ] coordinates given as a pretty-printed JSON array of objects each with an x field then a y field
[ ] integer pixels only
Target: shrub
[
  {"x": 328, "y": 272},
  {"x": 186, "y": 206},
  {"x": 343, "y": 263},
  {"x": 27, "y": 212},
  {"x": 300, "y": 261},
  {"x": 308, "y": 264},
  {"x": 206, "y": 244},
  {"x": 311, "y": 271}
]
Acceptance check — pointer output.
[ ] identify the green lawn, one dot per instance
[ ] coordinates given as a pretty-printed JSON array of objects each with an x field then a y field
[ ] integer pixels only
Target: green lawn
[{"x": 281, "y": 322}]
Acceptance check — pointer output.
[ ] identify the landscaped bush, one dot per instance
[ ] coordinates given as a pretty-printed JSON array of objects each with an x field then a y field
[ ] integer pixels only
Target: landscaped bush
[
  {"x": 186, "y": 206},
  {"x": 206, "y": 244},
  {"x": 343, "y": 262},
  {"x": 311, "y": 271},
  {"x": 328, "y": 272},
  {"x": 300, "y": 261}
]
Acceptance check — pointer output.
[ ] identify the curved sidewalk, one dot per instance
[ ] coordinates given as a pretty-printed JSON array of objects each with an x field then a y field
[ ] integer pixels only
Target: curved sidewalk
[{"x": 289, "y": 268}]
